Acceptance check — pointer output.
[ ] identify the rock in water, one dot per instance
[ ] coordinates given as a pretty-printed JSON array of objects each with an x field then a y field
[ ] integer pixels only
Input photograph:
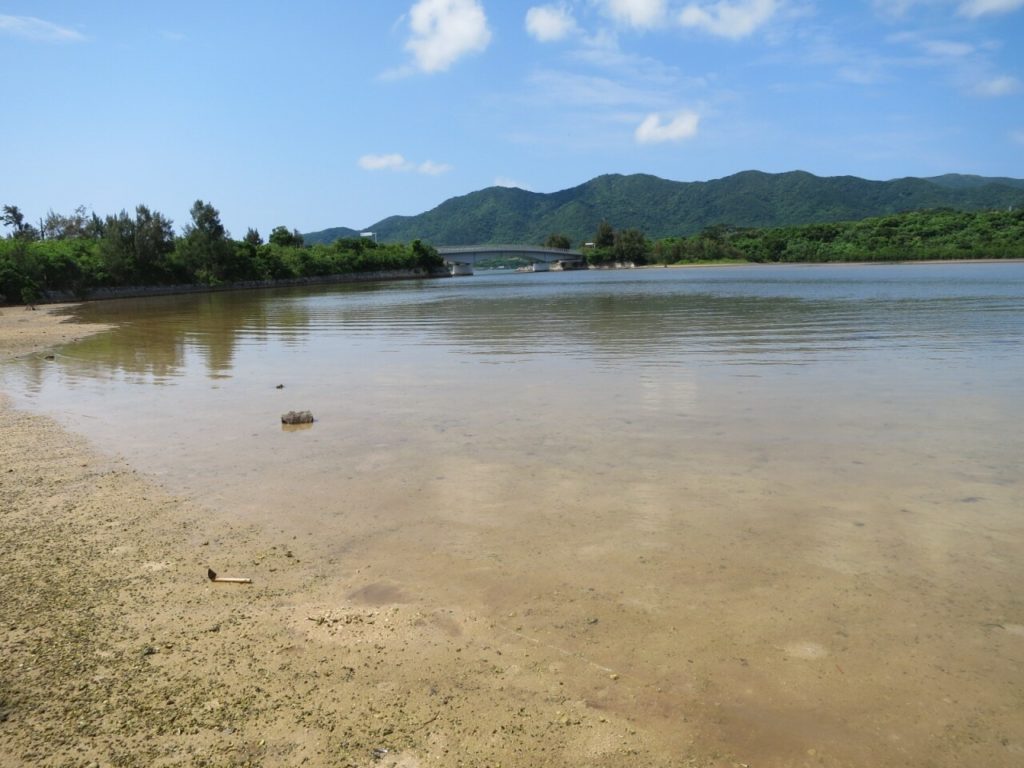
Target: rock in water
[{"x": 297, "y": 417}]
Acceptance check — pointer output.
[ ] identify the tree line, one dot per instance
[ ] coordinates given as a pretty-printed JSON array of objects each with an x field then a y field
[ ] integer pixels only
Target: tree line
[
  {"x": 81, "y": 251},
  {"x": 940, "y": 234}
]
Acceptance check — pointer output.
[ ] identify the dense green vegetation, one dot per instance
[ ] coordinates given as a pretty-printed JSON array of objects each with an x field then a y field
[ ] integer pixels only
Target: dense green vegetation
[
  {"x": 79, "y": 253},
  {"x": 663, "y": 208},
  {"x": 915, "y": 236},
  {"x": 919, "y": 235}
]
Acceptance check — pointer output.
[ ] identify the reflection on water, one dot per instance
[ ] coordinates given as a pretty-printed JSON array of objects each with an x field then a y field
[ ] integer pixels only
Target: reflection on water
[
  {"x": 795, "y": 315},
  {"x": 791, "y": 495}
]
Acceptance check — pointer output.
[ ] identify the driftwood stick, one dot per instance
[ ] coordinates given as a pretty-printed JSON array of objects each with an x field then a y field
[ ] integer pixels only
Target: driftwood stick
[{"x": 226, "y": 579}]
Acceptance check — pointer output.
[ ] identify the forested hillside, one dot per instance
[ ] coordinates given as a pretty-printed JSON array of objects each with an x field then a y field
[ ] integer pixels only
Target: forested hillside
[
  {"x": 663, "y": 208},
  {"x": 915, "y": 236}
]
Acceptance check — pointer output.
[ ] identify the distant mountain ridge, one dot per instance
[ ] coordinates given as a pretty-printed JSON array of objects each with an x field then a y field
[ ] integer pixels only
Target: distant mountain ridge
[{"x": 663, "y": 208}]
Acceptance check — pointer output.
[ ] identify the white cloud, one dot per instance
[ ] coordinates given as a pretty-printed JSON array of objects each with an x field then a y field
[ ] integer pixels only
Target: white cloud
[
  {"x": 653, "y": 131},
  {"x": 1003, "y": 85},
  {"x": 445, "y": 30},
  {"x": 1017, "y": 136},
  {"x": 394, "y": 162},
  {"x": 430, "y": 168},
  {"x": 397, "y": 162},
  {"x": 550, "y": 23},
  {"x": 32, "y": 28},
  {"x": 641, "y": 14},
  {"x": 729, "y": 19},
  {"x": 975, "y": 8}
]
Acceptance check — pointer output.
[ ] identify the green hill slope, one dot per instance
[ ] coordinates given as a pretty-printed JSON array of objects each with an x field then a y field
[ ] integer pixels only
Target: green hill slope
[
  {"x": 328, "y": 236},
  {"x": 663, "y": 208}
]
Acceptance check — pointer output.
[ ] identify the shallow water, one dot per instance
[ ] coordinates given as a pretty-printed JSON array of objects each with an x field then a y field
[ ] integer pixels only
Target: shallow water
[{"x": 781, "y": 504}]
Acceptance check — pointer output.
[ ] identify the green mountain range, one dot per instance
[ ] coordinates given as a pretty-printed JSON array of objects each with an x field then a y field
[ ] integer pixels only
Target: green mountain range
[{"x": 663, "y": 208}]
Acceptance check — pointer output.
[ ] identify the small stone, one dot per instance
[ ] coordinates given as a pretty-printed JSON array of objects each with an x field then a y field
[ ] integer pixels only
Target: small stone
[{"x": 297, "y": 417}]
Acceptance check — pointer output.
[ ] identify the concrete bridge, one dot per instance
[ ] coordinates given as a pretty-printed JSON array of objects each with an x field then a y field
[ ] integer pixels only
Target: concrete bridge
[{"x": 461, "y": 259}]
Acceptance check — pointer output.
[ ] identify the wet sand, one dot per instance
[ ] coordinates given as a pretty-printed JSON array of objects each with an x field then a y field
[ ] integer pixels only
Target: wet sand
[
  {"x": 873, "y": 635},
  {"x": 119, "y": 651}
]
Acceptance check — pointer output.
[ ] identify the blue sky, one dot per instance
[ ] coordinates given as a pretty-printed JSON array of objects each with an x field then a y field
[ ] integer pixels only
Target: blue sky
[{"x": 318, "y": 114}]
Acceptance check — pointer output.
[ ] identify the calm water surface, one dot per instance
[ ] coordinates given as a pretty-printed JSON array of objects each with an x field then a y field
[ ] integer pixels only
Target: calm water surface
[{"x": 791, "y": 495}]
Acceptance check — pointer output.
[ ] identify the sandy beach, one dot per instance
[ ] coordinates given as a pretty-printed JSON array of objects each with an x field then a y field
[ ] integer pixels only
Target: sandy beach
[{"x": 118, "y": 651}]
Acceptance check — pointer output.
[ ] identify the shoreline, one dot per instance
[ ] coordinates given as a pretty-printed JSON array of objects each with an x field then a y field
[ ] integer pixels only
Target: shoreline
[
  {"x": 119, "y": 651},
  {"x": 67, "y": 299},
  {"x": 25, "y": 331},
  {"x": 144, "y": 291}
]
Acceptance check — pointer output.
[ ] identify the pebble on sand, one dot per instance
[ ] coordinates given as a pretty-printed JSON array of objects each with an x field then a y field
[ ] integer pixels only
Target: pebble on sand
[{"x": 297, "y": 417}]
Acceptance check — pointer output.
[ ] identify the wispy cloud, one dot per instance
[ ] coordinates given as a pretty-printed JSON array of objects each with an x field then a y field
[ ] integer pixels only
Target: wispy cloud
[
  {"x": 430, "y": 168},
  {"x": 445, "y": 30},
  {"x": 970, "y": 67},
  {"x": 897, "y": 9},
  {"x": 397, "y": 162},
  {"x": 655, "y": 130},
  {"x": 733, "y": 20},
  {"x": 937, "y": 50},
  {"x": 1017, "y": 136},
  {"x": 602, "y": 51},
  {"x": 31, "y": 28},
  {"x": 946, "y": 48},
  {"x": 550, "y": 23},
  {"x": 639, "y": 14},
  {"x": 993, "y": 87},
  {"x": 975, "y": 8},
  {"x": 571, "y": 89},
  {"x": 866, "y": 73}
]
